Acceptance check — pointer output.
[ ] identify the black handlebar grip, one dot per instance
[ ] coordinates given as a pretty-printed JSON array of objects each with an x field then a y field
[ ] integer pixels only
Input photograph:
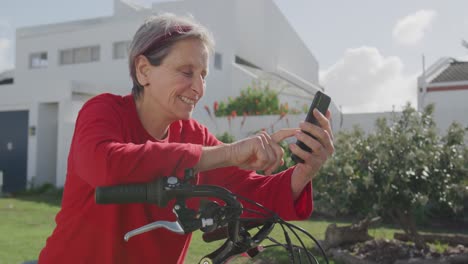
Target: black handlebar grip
[
  {"x": 131, "y": 193},
  {"x": 152, "y": 192}
]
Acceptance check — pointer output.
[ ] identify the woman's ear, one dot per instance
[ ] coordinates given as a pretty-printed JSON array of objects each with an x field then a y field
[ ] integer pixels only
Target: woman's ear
[{"x": 142, "y": 67}]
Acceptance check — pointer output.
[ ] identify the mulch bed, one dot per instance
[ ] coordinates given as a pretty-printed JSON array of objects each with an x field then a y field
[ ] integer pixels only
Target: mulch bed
[{"x": 385, "y": 251}]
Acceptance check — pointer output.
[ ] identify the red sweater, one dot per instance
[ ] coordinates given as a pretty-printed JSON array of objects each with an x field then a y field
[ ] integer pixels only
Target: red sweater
[{"x": 109, "y": 147}]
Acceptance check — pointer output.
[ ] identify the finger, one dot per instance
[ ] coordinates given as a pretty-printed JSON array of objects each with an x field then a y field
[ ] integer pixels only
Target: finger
[
  {"x": 316, "y": 131},
  {"x": 266, "y": 139},
  {"x": 321, "y": 142},
  {"x": 282, "y": 134},
  {"x": 328, "y": 144},
  {"x": 314, "y": 159},
  {"x": 259, "y": 158},
  {"x": 268, "y": 151},
  {"x": 279, "y": 153},
  {"x": 296, "y": 150},
  {"x": 324, "y": 121},
  {"x": 326, "y": 124},
  {"x": 310, "y": 142},
  {"x": 279, "y": 156}
]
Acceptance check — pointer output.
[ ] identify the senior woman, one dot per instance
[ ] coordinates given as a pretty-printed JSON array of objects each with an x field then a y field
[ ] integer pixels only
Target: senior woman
[{"x": 149, "y": 134}]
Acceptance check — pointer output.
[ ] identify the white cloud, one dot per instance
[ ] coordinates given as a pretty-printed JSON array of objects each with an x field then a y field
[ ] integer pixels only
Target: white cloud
[
  {"x": 411, "y": 29},
  {"x": 365, "y": 81},
  {"x": 5, "y": 55}
]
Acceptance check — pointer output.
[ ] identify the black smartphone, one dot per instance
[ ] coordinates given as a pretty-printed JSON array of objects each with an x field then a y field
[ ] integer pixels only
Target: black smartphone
[{"x": 321, "y": 102}]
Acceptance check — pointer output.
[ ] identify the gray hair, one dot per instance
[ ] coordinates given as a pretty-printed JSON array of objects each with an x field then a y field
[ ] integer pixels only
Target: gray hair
[{"x": 157, "y": 35}]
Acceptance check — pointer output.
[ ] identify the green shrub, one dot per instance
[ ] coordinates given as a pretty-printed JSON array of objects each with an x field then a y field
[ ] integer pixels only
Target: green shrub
[
  {"x": 397, "y": 171},
  {"x": 44, "y": 189},
  {"x": 226, "y": 137},
  {"x": 257, "y": 99},
  {"x": 288, "y": 162}
]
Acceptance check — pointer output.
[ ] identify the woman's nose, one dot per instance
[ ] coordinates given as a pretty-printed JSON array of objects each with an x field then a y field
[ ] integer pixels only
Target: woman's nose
[{"x": 198, "y": 85}]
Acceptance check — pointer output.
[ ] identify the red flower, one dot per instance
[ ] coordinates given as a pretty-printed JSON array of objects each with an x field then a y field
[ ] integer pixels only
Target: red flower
[
  {"x": 243, "y": 119},
  {"x": 207, "y": 110},
  {"x": 215, "y": 106}
]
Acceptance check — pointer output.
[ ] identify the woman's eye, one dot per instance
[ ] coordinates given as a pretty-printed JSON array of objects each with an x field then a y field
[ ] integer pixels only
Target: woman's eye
[{"x": 187, "y": 73}]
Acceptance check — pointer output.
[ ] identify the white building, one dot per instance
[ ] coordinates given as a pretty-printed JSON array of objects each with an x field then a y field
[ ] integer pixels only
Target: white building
[
  {"x": 60, "y": 66},
  {"x": 445, "y": 84}
]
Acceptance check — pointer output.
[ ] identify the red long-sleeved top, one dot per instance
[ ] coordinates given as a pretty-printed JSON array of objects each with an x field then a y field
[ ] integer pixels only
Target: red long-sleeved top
[{"x": 109, "y": 147}]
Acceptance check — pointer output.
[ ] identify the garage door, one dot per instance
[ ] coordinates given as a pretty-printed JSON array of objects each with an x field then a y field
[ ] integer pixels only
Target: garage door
[{"x": 13, "y": 150}]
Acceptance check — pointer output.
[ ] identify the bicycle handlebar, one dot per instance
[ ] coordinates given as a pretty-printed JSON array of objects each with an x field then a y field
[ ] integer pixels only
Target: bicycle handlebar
[
  {"x": 160, "y": 192},
  {"x": 164, "y": 189},
  {"x": 216, "y": 221}
]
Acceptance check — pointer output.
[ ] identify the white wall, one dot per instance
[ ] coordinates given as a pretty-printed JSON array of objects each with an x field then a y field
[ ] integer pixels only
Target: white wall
[
  {"x": 65, "y": 134},
  {"x": 262, "y": 29},
  {"x": 46, "y": 135},
  {"x": 293, "y": 55},
  {"x": 252, "y": 124},
  {"x": 450, "y": 106},
  {"x": 68, "y": 112},
  {"x": 366, "y": 121},
  {"x": 10, "y": 97}
]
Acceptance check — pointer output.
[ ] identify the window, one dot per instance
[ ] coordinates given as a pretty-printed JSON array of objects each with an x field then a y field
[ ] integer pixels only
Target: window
[
  {"x": 6, "y": 81},
  {"x": 66, "y": 56},
  {"x": 121, "y": 49},
  {"x": 38, "y": 60},
  {"x": 218, "y": 61},
  {"x": 242, "y": 61},
  {"x": 79, "y": 55}
]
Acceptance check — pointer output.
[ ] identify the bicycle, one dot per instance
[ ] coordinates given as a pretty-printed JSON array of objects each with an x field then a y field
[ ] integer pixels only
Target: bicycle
[{"x": 216, "y": 221}]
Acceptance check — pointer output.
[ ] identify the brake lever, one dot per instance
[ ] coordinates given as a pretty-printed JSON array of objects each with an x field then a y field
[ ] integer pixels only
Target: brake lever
[
  {"x": 171, "y": 226},
  {"x": 187, "y": 222}
]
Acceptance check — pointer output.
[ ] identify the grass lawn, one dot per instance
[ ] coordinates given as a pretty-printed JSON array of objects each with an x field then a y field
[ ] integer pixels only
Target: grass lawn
[
  {"x": 26, "y": 222},
  {"x": 24, "y": 226}
]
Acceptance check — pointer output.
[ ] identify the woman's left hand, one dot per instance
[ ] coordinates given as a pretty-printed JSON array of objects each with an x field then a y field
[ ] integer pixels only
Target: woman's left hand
[{"x": 322, "y": 148}]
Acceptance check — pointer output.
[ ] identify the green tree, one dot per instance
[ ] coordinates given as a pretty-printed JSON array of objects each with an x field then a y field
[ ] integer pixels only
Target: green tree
[{"x": 398, "y": 169}]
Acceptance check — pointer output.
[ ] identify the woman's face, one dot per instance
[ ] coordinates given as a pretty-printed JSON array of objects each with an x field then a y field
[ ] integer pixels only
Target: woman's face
[{"x": 178, "y": 83}]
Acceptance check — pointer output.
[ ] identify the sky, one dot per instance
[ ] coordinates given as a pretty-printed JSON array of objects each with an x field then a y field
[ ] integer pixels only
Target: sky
[{"x": 370, "y": 53}]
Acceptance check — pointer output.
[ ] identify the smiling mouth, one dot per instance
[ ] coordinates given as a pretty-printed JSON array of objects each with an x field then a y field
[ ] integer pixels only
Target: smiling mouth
[{"x": 187, "y": 100}]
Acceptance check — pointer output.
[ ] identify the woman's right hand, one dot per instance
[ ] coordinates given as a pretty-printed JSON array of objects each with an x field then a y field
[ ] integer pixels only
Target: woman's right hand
[
  {"x": 261, "y": 151},
  {"x": 258, "y": 152}
]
